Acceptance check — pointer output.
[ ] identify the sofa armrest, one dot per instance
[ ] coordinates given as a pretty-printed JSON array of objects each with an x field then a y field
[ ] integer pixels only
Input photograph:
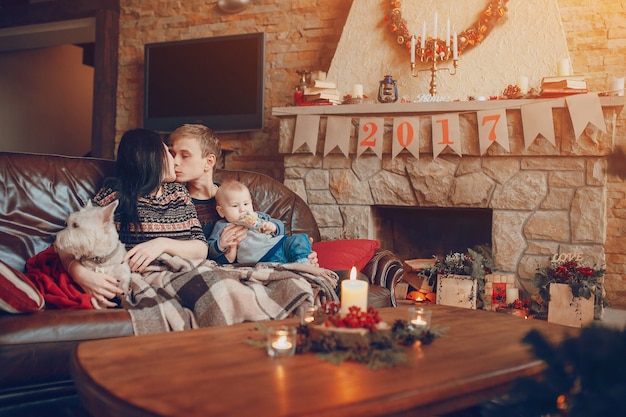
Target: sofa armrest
[{"x": 385, "y": 269}]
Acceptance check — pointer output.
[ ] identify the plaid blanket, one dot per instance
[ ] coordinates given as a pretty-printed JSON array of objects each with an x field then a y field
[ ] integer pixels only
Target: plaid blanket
[{"x": 178, "y": 294}]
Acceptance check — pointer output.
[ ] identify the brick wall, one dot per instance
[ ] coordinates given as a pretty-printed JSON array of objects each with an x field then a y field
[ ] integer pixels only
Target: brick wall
[{"x": 304, "y": 34}]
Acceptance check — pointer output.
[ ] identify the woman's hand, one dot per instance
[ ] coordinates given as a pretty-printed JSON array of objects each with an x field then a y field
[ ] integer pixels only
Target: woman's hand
[
  {"x": 101, "y": 287},
  {"x": 142, "y": 255}
]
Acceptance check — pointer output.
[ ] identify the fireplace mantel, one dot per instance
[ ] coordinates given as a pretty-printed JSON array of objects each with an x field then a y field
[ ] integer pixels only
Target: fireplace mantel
[{"x": 427, "y": 107}]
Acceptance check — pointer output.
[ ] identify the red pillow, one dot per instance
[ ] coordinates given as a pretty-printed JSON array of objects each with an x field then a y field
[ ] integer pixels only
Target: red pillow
[
  {"x": 17, "y": 293},
  {"x": 344, "y": 254}
]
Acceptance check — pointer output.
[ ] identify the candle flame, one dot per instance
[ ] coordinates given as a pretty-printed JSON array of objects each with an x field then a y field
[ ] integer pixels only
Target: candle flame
[{"x": 353, "y": 273}]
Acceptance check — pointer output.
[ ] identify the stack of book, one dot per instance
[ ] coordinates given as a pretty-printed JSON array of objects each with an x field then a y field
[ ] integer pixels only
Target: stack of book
[
  {"x": 558, "y": 86},
  {"x": 321, "y": 93}
]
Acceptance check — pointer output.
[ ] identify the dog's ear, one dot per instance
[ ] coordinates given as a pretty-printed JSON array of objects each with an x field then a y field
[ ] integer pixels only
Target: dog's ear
[{"x": 108, "y": 211}]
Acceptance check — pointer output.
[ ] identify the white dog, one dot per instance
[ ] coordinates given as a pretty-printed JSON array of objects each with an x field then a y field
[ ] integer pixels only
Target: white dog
[{"x": 91, "y": 237}]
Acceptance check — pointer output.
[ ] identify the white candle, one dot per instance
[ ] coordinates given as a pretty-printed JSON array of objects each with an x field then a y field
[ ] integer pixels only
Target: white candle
[
  {"x": 435, "y": 27},
  {"x": 455, "y": 49},
  {"x": 522, "y": 83},
  {"x": 412, "y": 49},
  {"x": 563, "y": 68},
  {"x": 357, "y": 90},
  {"x": 448, "y": 33},
  {"x": 353, "y": 293},
  {"x": 282, "y": 343},
  {"x": 512, "y": 294},
  {"x": 423, "y": 40},
  {"x": 420, "y": 322}
]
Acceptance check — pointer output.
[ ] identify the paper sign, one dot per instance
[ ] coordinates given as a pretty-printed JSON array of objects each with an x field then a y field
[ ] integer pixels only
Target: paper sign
[
  {"x": 306, "y": 130},
  {"x": 337, "y": 134},
  {"x": 446, "y": 132},
  {"x": 492, "y": 128},
  {"x": 537, "y": 120},
  {"x": 405, "y": 135},
  {"x": 371, "y": 136}
]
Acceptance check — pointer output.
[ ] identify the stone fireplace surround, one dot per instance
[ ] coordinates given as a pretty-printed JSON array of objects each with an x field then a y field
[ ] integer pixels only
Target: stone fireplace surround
[{"x": 545, "y": 199}]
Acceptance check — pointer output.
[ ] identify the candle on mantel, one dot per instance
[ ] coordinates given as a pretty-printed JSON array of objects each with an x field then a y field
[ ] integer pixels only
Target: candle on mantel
[
  {"x": 412, "y": 49},
  {"x": 455, "y": 49},
  {"x": 512, "y": 294},
  {"x": 423, "y": 40},
  {"x": 448, "y": 33},
  {"x": 353, "y": 293},
  {"x": 282, "y": 343}
]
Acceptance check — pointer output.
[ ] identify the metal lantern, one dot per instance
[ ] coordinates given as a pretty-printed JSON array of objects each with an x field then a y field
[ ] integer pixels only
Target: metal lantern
[{"x": 388, "y": 90}]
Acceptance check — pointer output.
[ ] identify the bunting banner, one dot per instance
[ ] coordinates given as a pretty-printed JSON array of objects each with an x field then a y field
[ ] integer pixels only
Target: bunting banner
[
  {"x": 537, "y": 120},
  {"x": 307, "y": 128},
  {"x": 492, "y": 128},
  {"x": 446, "y": 132},
  {"x": 406, "y": 131},
  {"x": 371, "y": 136},
  {"x": 406, "y": 134},
  {"x": 585, "y": 109},
  {"x": 337, "y": 129}
]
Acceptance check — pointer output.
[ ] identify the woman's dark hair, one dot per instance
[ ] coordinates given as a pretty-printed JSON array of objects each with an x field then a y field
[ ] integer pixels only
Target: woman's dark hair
[{"x": 139, "y": 169}]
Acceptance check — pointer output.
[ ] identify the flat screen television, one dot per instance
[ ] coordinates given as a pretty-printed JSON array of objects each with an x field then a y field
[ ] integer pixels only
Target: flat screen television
[{"x": 217, "y": 82}]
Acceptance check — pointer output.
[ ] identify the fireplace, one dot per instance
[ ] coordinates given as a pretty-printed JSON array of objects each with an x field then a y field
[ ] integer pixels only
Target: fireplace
[
  {"x": 538, "y": 200},
  {"x": 421, "y": 233}
]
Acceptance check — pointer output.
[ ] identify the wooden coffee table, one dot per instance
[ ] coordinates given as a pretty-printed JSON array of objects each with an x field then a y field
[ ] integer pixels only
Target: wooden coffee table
[{"x": 212, "y": 371}]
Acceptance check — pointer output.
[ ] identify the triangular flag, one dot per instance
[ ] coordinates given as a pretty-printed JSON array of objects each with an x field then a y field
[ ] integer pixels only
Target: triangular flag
[
  {"x": 406, "y": 135},
  {"x": 307, "y": 127},
  {"x": 492, "y": 128},
  {"x": 446, "y": 132},
  {"x": 337, "y": 134},
  {"x": 537, "y": 120},
  {"x": 584, "y": 109},
  {"x": 371, "y": 135}
]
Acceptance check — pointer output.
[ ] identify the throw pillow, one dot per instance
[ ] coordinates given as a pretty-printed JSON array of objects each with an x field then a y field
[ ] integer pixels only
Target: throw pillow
[
  {"x": 344, "y": 254},
  {"x": 17, "y": 293}
]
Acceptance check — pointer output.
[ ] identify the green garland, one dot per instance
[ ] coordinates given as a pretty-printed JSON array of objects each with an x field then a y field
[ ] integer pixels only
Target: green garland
[{"x": 379, "y": 349}]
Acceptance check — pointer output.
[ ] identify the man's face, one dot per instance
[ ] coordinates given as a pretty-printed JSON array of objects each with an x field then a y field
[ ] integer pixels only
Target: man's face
[{"x": 189, "y": 164}]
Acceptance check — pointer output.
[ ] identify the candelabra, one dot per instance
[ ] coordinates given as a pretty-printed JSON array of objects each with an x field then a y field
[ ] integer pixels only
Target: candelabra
[{"x": 433, "y": 58}]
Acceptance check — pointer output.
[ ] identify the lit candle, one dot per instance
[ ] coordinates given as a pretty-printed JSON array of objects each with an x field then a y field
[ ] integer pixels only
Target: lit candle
[
  {"x": 455, "y": 50},
  {"x": 419, "y": 322},
  {"x": 435, "y": 27},
  {"x": 353, "y": 293},
  {"x": 423, "y": 40},
  {"x": 512, "y": 294},
  {"x": 412, "y": 49},
  {"x": 282, "y": 343},
  {"x": 448, "y": 33}
]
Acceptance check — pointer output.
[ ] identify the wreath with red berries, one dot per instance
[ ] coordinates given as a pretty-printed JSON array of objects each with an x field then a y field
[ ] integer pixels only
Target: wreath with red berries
[{"x": 494, "y": 13}]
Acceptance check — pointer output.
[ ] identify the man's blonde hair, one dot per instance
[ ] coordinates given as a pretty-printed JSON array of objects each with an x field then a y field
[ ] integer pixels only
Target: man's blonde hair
[{"x": 209, "y": 143}]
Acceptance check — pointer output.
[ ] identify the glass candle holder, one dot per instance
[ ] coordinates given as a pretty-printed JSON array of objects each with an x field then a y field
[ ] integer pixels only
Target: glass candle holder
[
  {"x": 308, "y": 315},
  {"x": 419, "y": 318},
  {"x": 281, "y": 341}
]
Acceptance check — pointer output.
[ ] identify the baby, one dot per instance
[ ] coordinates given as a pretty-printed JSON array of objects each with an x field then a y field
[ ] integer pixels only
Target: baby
[{"x": 266, "y": 241}]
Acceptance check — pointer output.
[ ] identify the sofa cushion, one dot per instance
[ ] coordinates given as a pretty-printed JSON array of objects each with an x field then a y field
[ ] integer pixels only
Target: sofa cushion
[
  {"x": 17, "y": 293},
  {"x": 344, "y": 254}
]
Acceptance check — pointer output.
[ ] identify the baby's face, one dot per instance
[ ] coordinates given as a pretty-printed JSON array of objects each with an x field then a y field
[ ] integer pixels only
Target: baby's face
[{"x": 237, "y": 204}]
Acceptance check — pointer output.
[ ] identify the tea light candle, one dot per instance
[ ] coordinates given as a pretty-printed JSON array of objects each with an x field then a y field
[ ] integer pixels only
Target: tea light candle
[
  {"x": 512, "y": 294},
  {"x": 282, "y": 343},
  {"x": 419, "y": 318},
  {"x": 353, "y": 293},
  {"x": 563, "y": 68},
  {"x": 357, "y": 90},
  {"x": 522, "y": 83}
]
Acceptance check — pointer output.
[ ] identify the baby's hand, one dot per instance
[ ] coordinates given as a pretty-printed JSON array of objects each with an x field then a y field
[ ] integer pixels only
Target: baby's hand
[{"x": 269, "y": 228}]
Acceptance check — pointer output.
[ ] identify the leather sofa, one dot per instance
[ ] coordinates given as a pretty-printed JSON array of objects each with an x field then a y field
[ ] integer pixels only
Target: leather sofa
[{"x": 37, "y": 192}]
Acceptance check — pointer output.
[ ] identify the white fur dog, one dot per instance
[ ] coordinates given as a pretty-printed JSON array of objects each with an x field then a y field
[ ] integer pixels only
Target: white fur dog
[{"x": 91, "y": 237}]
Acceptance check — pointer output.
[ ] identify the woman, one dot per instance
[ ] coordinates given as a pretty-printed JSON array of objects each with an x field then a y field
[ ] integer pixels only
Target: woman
[{"x": 149, "y": 199}]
